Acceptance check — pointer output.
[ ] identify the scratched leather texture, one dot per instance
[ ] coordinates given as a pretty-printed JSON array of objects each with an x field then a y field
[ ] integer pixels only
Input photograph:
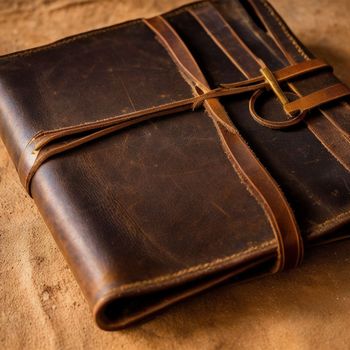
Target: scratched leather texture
[
  {"x": 160, "y": 201},
  {"x": 315, "y": 196},
  {"x": 143, "y": 203}
]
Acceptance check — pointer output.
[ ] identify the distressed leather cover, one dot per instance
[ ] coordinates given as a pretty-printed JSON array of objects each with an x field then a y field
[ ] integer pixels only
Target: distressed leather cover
[{"x": 154, "y": 213}]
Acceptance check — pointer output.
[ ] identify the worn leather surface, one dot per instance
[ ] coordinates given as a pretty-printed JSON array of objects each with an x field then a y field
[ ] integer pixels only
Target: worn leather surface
[
  {"x": 276, "y": 149},
  {"x": 135, "y": 212}
]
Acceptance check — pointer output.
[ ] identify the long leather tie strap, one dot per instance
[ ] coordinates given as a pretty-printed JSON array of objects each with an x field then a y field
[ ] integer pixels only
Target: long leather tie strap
[
  {"x": 255, "y": 176},
  {"x": 46, "y": 144},
  {"x": 226, "y": 38}
]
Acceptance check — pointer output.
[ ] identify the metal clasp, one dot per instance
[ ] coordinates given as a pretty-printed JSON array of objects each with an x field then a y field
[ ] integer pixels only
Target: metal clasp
[
  {"x": 270, "y": 78},
  {"x": 292, "y": 118}
]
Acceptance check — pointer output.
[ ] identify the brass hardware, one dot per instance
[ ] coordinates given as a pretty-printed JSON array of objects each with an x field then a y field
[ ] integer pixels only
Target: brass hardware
[{"x": 270, "y": 78}]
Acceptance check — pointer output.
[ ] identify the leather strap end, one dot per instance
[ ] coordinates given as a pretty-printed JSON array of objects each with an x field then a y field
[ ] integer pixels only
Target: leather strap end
[{"x": 317, "y": 98}]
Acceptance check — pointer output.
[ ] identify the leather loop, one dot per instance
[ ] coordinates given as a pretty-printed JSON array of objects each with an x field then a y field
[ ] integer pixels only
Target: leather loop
[
  {"x": 318, "y": 98},
  {"x": 274, "y": 124}
]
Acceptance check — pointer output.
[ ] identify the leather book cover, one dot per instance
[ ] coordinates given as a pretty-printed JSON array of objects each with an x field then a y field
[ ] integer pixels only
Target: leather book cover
[{"x": 168, "y": 155}]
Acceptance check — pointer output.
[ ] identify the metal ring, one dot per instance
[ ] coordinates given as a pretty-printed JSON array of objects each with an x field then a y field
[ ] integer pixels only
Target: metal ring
[{"x": 272, "y": 124}]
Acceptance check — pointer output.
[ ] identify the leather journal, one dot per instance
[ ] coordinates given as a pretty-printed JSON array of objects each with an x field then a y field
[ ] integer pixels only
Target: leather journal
[{"x": 170, "y": 154}]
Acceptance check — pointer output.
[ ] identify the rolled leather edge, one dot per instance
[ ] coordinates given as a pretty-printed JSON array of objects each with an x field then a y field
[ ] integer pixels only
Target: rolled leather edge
[{"x": 113, "y": 309}]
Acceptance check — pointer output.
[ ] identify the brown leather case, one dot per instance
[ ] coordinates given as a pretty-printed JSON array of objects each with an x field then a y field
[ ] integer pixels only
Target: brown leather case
[{"x": 170, "y": 154}]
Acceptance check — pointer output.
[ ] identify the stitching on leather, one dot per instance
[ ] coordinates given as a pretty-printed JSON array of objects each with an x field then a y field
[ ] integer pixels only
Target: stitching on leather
[
  {"x": 304, "y": 55},
  {"x": 318, "y": 228},
  {"x": 74, "y": 37},
  {"x": 69, "y": 39},
  {"x": 344, "y": 132},
  {"x": 205, "y": 267},
  {"x": 258, "y": 196},
  {"x": 285, "y": 30},
  {"x": 339, "y": 160},
  {"x": 261, "y": 198}
]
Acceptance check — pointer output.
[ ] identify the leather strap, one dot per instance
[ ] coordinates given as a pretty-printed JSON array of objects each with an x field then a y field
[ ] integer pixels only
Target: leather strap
[
  {"x": 336, "y": 141},
  {"x": 332, "y": 132},
  {"x": 254, "y": 175},
  {"x": 290, "y": 72},
  {"x": 297, "y": 109},
  {"x": 318, "y": 98},
  {"x": 46, "y": 144}
]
